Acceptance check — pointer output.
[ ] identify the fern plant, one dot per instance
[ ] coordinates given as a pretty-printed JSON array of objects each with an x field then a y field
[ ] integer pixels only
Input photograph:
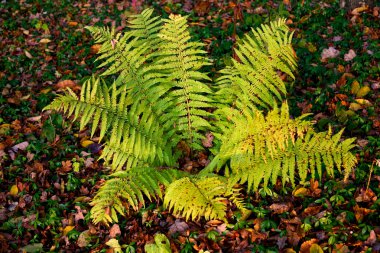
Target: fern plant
[{"x": 161, "y": 99}]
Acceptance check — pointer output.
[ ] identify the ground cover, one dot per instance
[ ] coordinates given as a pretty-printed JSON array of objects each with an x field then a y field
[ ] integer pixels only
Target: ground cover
[{"x": 49, "y": 170}]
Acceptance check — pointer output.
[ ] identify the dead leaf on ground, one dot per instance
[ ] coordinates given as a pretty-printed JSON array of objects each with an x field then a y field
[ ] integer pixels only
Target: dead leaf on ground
[
  {"x": 366, "y": 195},
  {"x": 279, "y": 208},
  {"x": 371, "y": 238},
  {"x": 178, "y": 226},
  {"x": 329, "y": 53},
  {"x": 350, "y": 55},
  {"x": 305, "y": 246},
  {"x": 361, "y": 212},
  {"x": 115, "y": 231}
]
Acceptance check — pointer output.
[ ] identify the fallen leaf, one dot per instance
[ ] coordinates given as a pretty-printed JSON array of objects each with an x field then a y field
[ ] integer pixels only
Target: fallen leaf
[
  {"x": 358, "y": 10},
  {"x": 20, "y": 146},
  {"x": 360, "y": 212},
  {"x": 362, "y": 143},
  {"x": 330, "y": 52},
  {"x": 279, "y": 208},
  {"x": 84, "y": 239},
  {"x": 95, "y": 48},
  {"x": 27, "y": 54},
  {"x": 371, "y": 238},
  {"x": 13, "y": 191},
  {"x": 363, "y": 91},
  {"x": 350, "y": 55},
  {"x": 207, "y": 142},
  {"x": 115, "y": 231},
  {"x": 315, "y": 248},
  {"x": 300, "y": 192},
  {"x": 67, "y": 229},
  {"x": 305, "y": 246},
  {"x": 78, "y": 215},
  {"x": 366, "y": 195},
  {"x": 73, "y": 23},
  {"x": 86, "y": 143},
  {"x": 35, "y": 247},
  {"x": 66, "y": 166},
  {"x": 65, "y": 84},
  {"x": 45, "y": 41},
  {"x": 178, "y": 227}
]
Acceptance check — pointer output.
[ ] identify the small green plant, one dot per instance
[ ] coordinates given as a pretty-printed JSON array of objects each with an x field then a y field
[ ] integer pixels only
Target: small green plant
[{"x": 161, "y": 99}]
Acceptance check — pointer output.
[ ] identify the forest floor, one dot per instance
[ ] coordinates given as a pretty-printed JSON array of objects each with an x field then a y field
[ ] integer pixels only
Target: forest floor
[{"x": 49, "y": 170}]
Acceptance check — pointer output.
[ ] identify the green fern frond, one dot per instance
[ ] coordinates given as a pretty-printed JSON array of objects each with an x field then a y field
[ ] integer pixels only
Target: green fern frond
[
  {"x": 102, "y": 34},
  {"x": 195, "y": 197},
  {"x": 136, "y": 137},
  {"x": 253, "y": 81},
  {"x": 129, "y": 189},
  {"x": 180, "y": 60},
  {"x": 262, "y": 148}
]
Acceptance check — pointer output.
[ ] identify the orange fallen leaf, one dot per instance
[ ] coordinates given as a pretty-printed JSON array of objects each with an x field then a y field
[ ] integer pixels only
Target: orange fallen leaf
[
  {"x": 358, "y": 10},
  {"x": 65, "y": 84},
  {"x": 73, "y": 23},
  {"x": 305, "y": 246},
  {"x": 95, "y": 48}
]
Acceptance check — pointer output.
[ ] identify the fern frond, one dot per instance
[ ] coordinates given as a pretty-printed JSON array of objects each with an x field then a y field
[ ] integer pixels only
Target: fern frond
[
  {"x": 136, "y": 138},
  {"x": 102, "y": 34},
  {"x": 253, "y": 81},
  {"x": 195, "y": 197},
  {"x": 179, "y": 60},
  {"x": 262, "y": 148},
  {"x": 129, "y": 189}
]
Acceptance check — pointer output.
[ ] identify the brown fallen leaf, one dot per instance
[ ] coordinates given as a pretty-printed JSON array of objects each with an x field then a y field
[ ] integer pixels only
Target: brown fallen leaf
[
  {"x": 361, "y": 212},
  {"x": 371, "y": 238},
  {"x": 305, "y": 246},
  {"x": 279, "y": 208},
  {"x": 366, "y": 195},
  {"x": 115, "y": 231}
]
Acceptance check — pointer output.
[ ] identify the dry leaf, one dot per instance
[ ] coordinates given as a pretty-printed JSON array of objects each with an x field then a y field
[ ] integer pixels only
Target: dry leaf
[
  {"x": 371, "y": 238},
  {"x": 115, "y": 231},
  {"x": 73, "y": 23},
  {"x": 207, "y": 142},
  {"x": 315, "y": 248},
  {"x": 305, "y": 246},
  {"x": 358, "y": 10},
  {"x": 65, "y": 84},
  {"x": 66, "y": 166},
  {"x": 67, "y": 229},
  {"x": 300, "y": 192},
  {"x": 360, "y": 212},
  {"x": 86, "y": 143},
  {"x": 363, "y": 91},
  {"x": 279, "y": 208},
  {"x": 27, "y": 54},
  {"x": 366, "y": 195},
  {"x": 45, "y": 41},
  {"x": 178, "y": 226},
  {"x": 95, "y": 48},
  {"x": 20, "y": 146},
  {"x": 78, "y": 215},
  {"x": 350, "y": 55},
  {"x": 14, "y": 190},
  {"x": 84, "y": 239},
  {"x": 331, "y": 52}
]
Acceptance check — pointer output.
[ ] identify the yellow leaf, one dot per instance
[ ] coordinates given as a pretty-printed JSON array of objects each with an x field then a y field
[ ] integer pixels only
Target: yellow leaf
[
  {"x": 363, "y": 91},
  {"x": 355, "y": 106},
  {"x": 14, "y": 190},
  {"x": 86, "y": 143},
  {"x": 300, "y": 192},
  {"x": 45, "y": 91},
  {"x": 45, "y": 41},
  {"x": 362, "y": 101},
  {"x": 67, "y": 229},
  {"x": 357, "y": 11},
  {"x": 355, "y": 87},
  {"x": 315, "y": 248}
]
